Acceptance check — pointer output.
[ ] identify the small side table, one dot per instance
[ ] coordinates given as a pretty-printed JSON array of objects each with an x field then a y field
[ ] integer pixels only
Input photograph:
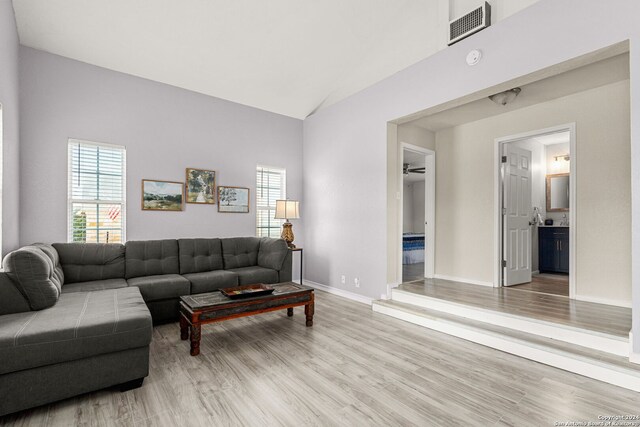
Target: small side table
[{"x": 301, "y": 252}]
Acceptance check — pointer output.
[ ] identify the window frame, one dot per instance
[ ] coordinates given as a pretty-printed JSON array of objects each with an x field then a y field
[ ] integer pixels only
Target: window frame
[
  {"x": 283, "y": 196},
  {"x": 71, "y": 200},
  {"x": 1, "y": 182}
]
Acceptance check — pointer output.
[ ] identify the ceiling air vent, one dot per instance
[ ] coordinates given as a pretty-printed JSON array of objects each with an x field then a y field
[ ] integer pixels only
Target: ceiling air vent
[{"x": 474, "y": 21}]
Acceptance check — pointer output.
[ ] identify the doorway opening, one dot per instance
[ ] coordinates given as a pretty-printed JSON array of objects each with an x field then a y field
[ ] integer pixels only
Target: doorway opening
[
  {"x": 535, "y": 211},
  {"x": 417, "y": 212}
]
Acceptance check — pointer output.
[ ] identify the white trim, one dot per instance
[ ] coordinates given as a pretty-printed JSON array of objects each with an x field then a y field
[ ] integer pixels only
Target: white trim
[
  {"x": 592, "y": 368},
  {"x": 462, "y": 279},
  {"x": 497, "y": 197},
  {"x": 633, "y": 357},
  {"x": 390, "y": 287},
  {"x": 590, "y": 339},
  {"x": 606, "y": 301},
  {"x": 340, "y": 292},
  {"x": 429, "y": 209},
  {"x": 1, "y": 178},
  {"x": 96, "y": 144}
]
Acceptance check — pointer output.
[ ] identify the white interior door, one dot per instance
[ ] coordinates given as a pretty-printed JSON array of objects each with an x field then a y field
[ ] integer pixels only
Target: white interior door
[{"x": 517, "y": 215}]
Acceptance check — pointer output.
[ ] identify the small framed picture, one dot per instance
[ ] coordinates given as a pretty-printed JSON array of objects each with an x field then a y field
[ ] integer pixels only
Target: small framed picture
[
  {"x": 162, "y": 195},
  {"x": 201, "y": 186},
  {"x": 233, "y": 199}
]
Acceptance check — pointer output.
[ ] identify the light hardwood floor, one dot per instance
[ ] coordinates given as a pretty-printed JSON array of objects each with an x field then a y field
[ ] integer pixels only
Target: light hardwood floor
[
  {"x": 554, "y": 284},
  {"x": 552, "y": 308},
  {"x": 353, "y": 367},
  {"x": 412, "y": 271}
]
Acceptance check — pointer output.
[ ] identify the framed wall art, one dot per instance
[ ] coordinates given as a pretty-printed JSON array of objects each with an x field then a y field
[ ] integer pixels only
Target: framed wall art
[
  {"x": 162, "y": 195},
  {"x": 201, "y": 186},
  {"x": 233, "y": 199}
]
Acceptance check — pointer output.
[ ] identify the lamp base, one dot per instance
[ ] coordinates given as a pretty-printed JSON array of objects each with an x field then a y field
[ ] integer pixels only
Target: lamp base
[{"x": 287, "y": 234}]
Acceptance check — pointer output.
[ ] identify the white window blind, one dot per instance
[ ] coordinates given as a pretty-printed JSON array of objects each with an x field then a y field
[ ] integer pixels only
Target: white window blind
[
  {"x": 97, "y": 193},
  {"x": 1, "y": 174},
  {"x": 271, "y": 185}
]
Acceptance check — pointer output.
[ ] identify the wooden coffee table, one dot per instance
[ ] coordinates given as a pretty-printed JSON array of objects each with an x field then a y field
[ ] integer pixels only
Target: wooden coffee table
[{"x": 200, "y": 309}]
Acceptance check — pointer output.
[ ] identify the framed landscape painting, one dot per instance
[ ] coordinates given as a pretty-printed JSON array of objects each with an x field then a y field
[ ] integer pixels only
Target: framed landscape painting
[
  {"x": 162, "y": 195},
  {"x": 201, "y": 186},
  {"x": 233, "y": 199}
]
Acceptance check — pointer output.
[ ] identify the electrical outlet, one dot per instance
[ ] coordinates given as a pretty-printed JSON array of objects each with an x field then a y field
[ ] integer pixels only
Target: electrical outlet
[
  {"x": 356, "y": 282},
  {"x": 343, "y": 279}
]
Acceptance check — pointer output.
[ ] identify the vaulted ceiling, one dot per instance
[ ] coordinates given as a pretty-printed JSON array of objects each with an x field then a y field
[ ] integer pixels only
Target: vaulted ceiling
[{"x": 286, "y": 56}]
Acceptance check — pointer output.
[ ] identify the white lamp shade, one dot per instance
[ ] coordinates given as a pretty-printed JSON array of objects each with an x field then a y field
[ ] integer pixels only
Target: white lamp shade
[{"x": 287, "y": 209}]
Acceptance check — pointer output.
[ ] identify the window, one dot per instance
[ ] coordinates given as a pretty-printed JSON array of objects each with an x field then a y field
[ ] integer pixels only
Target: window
[
  {"x": 1, "y": 172},
  {"x": 271, "y": 185},
  {"x": 97, "y": 192}
]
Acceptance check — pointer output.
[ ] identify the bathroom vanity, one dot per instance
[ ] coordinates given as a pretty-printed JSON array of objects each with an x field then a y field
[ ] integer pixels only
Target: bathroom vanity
[{"x": 553, "y": 249}]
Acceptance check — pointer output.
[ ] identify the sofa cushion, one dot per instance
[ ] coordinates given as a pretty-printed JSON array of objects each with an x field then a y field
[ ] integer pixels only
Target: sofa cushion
[
  {"x": 167, "y": 286},
  {"x": 52, "y": 254},
  {"x": 255, "y": 274},
  {"x": 198, "y": 255},
  {"x": 95, "y": 285},
  {"x": 272, "y": 253},
  {"x": 11, "y": 299},
  {"x": 151, "y": 258},
  {"x": 240, "y": 252},
  {"x": 85, "y": 262},
  {"x": 36, "y": 271},
  {"x": 211, "y": 280},
  {"x": 80, "y": 325}
]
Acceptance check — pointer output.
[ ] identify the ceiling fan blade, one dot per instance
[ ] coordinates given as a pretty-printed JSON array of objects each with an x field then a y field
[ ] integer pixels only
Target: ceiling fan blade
[{"x": 417, "y": 170}]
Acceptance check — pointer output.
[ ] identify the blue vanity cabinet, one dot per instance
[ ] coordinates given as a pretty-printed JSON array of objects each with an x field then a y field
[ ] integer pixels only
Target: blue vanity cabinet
[{"x": 553, "y": 249}]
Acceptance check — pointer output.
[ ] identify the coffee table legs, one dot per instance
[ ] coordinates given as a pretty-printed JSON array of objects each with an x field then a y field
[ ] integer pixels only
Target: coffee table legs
[
  {"x": 195, "y": 340},
  {"x": 184, "y": 329},
  {"x": 290, "y": 311},
  {"x": 309, "y": 310}
]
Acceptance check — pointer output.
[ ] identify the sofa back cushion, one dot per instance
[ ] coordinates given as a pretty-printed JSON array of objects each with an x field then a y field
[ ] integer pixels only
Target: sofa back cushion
[
  {"x": 240, "y": 252},
  {"x": 200, "y": 255},
  {"x": 87, "y": 262},
  {"x": 272, "y": 253},
  {"x": 151, "y": 258},
  {"x": 11, "y": 298},
  {"x": 36, "y": 271}
]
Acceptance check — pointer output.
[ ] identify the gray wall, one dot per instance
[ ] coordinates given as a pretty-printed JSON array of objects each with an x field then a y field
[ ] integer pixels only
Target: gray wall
[
  {"x": 346, "y": 143},
  {"x": 10, "y": 108},
  {"x": 165, "y": 129}
]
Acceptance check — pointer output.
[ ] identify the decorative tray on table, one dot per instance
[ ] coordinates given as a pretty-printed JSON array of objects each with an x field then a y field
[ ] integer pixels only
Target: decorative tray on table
[{"x": 247, "y": 291}]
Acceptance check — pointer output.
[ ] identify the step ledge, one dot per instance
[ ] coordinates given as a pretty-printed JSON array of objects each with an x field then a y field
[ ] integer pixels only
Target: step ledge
[
  {"x": 611, "y": 344},
  {"x": 592, "y": 368}
]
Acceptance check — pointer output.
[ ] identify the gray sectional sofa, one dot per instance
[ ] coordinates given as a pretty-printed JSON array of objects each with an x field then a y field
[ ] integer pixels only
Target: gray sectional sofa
[{"x": 78, "y": 317}]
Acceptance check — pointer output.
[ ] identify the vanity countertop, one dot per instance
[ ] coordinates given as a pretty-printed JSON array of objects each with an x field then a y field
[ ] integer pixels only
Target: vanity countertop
[{"x": 552, "y": 226}]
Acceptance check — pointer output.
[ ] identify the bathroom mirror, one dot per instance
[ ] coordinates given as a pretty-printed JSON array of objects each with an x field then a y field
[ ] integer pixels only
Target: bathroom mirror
[{"x": 558, "y": 192}]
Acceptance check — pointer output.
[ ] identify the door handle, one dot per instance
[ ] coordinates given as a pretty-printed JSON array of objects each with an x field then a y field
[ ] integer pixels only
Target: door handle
[{"x": 560, "y": 244}]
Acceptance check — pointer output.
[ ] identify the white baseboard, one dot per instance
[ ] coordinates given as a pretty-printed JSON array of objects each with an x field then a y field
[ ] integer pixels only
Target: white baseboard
[
  {"x": 535, "y": 272},
  {"x": 633, "y": 357},
  {"x": 340, "y": 292},
  {"x": 390, "y": 286},
  {"x": 605, "y": 301},
  {"x": 463, "y": 280}
]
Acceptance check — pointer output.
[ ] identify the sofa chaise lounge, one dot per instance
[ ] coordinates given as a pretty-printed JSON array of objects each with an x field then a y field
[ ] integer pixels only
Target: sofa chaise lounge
[{"x": 78, "y": 317}]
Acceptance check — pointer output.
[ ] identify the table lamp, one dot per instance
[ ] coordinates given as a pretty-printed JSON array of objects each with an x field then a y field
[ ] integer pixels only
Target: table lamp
[{"x": 287, "y": 209}]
